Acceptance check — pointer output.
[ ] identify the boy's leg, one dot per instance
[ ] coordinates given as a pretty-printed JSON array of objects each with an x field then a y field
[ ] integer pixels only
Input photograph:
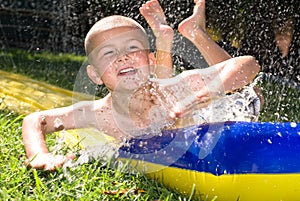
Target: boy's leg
[
  {"x": 164, "y": 34},
  {"x": 193, "y": 28}
]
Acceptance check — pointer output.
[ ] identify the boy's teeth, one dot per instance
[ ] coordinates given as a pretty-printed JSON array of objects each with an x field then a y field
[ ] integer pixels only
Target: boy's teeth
[{"x": 126, "y": 70}]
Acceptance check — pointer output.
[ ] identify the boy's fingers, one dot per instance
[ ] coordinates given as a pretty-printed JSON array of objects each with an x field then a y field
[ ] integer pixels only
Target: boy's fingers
[
  {"x": 31, "y": 164},
  {"x": 56, "y": 162},
  {"x": 49, "y": 163},
  {"x": 70, "y": 156},
  {"x": 27, "y": 163}
]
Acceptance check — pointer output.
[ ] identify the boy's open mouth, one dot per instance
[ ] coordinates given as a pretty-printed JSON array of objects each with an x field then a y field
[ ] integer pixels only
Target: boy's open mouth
[{"x": 127, "y": 71}]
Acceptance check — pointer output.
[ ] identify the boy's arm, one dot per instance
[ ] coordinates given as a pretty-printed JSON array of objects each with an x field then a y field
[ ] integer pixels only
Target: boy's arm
[
  {"x": 34, "y": 129},
  {"x": 223, "y": 77},
  {"x": 202, "y": 85},
  {"x": 235, "y": 73}
]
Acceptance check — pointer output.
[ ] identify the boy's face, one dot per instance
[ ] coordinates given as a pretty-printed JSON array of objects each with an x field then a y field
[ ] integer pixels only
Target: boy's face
[{"x": 121, "y": 58}]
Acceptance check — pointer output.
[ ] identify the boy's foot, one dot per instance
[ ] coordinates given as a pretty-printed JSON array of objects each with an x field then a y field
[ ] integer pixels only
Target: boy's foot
[
  {"x": 156, "y": 19},
  {"x": 195, "y": 22}
]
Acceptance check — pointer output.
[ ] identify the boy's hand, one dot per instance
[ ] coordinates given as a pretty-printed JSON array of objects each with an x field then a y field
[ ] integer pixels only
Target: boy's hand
[
  {"x": 48, "y": 161},
  {"x": 166, "y": 98},
  {"x": 191, "y": 88},
  {"x": 161, "y": 100},
  {"x": 177, "y": 96}
]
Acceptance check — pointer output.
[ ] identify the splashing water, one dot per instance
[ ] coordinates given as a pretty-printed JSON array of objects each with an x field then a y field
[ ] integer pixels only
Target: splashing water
[
  {"x": 241, "y": 106},
  {"x": 105, "y": 151},
  {"x": 104, "y": 154}
]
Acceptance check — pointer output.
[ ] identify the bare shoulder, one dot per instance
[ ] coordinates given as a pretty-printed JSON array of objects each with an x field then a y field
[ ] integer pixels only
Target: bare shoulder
[
  {"x": 93, "y": 108},
  {"x": 92, "y": 104},
  {"x": 98, "y": 114},
  {"x": 100, "y": 105}
]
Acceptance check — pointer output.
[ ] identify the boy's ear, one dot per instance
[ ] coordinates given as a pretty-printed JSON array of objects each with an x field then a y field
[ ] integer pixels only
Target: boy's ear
[
  {"x": 93, "y": 75},
  {"x": 152, "y": 61}
]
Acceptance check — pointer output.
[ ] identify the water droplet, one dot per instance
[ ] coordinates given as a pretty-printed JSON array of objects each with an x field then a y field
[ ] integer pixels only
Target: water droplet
[
  {"x": 279, "y": 134},
  {"x": 293, "y": 125}
]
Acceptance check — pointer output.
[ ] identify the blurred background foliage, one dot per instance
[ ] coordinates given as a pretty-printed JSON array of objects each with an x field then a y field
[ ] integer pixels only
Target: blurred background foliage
[{"x": 240, "y": 26}]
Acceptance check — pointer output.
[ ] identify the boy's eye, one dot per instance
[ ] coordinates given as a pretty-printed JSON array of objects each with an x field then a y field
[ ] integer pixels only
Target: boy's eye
[
  {"x": 133, "y": 47},
  {"x": 108, "y": 53}
]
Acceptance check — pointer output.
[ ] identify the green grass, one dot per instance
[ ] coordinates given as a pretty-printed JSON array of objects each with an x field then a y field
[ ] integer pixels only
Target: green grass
[
  {"x": 57, "y": 69},
  {"x": 282, "y": 103},
  {"x": 91, "y": 181}
]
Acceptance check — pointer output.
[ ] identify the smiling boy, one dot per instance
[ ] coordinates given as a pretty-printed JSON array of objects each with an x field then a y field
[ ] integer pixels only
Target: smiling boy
[{"x": 118, "y": 53}]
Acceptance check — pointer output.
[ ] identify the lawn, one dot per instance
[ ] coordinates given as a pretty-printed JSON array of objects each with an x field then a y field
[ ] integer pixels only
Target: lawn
[
  {"x": 91, "y": 181},
  {"x": 95, "y": 180}
]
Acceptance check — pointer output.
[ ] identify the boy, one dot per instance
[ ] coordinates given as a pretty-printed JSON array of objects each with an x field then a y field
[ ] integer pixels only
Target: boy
[{"x": 117, "y": 49}]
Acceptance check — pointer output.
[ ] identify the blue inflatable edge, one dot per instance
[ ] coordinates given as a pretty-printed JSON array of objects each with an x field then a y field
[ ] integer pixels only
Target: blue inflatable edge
[{"x": 223, "y": 148}]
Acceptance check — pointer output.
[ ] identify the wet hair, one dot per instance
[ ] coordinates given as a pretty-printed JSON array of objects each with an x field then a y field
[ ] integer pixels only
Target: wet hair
[{"x": 107, "y": 23}]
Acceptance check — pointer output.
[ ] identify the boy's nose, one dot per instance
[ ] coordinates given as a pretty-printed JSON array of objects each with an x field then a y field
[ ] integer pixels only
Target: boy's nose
[{"x": 123, "y": 57}]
